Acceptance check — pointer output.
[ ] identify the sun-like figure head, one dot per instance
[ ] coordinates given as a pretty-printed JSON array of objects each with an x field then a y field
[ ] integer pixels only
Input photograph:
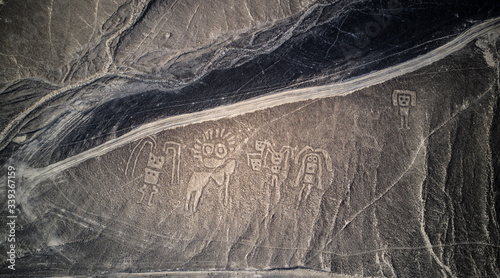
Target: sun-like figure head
[{"x": 213, "y": 148}]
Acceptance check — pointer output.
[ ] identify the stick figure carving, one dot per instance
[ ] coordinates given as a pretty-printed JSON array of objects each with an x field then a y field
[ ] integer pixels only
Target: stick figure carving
[
  {"x": 310, "y": 174},
  {"x": 277, "y": 163},
  {"x": 404, "y": 99},
  {"x": 213, "y": 153},
  {"x": 154, "y": 166}
]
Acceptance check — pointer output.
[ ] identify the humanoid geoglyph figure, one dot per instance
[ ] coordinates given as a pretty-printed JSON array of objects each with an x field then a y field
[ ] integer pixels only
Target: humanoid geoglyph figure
[
  {"x": 275, "y": 164},
  {"x": 313, "y": 164},
  {"x": 156, "y": 161},
  {"x": 404, "y": 99},
  {"x": 212, "y": 150}
]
